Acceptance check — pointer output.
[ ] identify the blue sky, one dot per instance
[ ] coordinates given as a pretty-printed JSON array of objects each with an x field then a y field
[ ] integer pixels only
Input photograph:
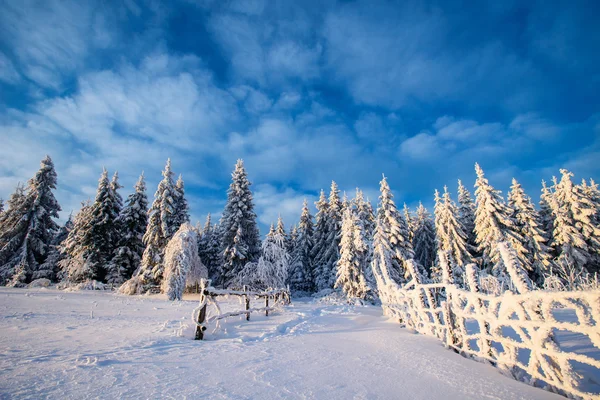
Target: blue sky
[{"x": 304, "y": 92}]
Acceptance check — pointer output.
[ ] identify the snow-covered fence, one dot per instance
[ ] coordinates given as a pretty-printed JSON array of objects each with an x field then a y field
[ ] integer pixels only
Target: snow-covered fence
[
  {"x": 530, "y": 335},
  {"x": 277, "y": 298}
]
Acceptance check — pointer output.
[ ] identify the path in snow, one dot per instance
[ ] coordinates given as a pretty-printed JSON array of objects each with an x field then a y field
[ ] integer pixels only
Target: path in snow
[{"x": 90, "y": 344}]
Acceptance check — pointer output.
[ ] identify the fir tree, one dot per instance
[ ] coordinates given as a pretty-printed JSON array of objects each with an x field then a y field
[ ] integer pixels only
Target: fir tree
[
  {"x": 50, "y": 268},
  {"x": 29, "y": 227},
  {"x": 366, "y": 220},
  {"x": 529, "y": 226},
  {"x": 320, "y": 241},
  {"x": 424, "y": 240},
  {"x": 350, "y": 277},
  {"x": 240, "y": 239},
  {"x": 329, "y": 253},
  {"x": 410, "y": 223},
  {"x": 280, "y": 230},
  {"x": 575, "y": 235},
  {"x": 74, "y": 266},
  {"x": 391, "y": 245},
  {"x": 466, "y": 217},
  {"x": 274, "y": 263},
  {"x": 451, "y": 237},
  {"x": 300, "y": 276},
  {"x": 494, "y": 224},
  {"x": 182, "y": 214},
  {"x": 209, "y": 249},
  {"x": 293, "y": 237},
  {"x": 160, "y": 229},
  {"x": 132, "y": 224}
]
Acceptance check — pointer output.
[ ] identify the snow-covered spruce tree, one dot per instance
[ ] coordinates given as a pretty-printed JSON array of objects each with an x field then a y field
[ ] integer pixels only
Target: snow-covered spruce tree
[
  {"x": 575, "y": 235},
  {"x": 390, "y": 242},
  {"x": 104, "y": 231},
  {"x": 494, "y": 224},
  {"x": 546, "y": 213},
  {"x": 300, "y": 277},
  {"x": 274, "y": 263},
  {"x": 349, "y": 274},
  {"x": 182, "y": 214},
  {"x": 424, "y": 243},
  {"x": 328, "y": 251},
  {"x": 280, "y": 229},
  {"x": 366, "y": 220},
  {"x": 209, "y": 249},
  {"x": 160, "y": 229},
  {"x": 293, "y": 237},
  {"x": 592, "y": 193},
  {"x": 410, "y": 223},
  {"x": 50, "y": 268},
  {"x": 320, "y": 241},
  {"x": 29, "y": 227},
  {"x": 466, "y": 217},
  {"x": 529, "y": 226},
  {"x": 132, "y": 224},
  {"x": 240, "y": 241},
  {"x": 450, "y": 235},
  {"x": 74, "y": 267},
  {"x": 180, "y": 257}
]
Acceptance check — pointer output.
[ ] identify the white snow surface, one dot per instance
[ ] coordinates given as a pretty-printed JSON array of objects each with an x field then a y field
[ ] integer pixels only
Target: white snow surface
[{"x": 79, "y": 345}]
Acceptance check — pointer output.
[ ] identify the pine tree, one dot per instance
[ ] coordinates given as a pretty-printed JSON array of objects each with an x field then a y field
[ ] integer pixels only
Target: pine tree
[
  {"x": 103, "y": 233},
  {"x": 293, "y": 237},
  {"x": 366, "y": 220},
  {"x": 132, "y": 224},
  {"x": 494, "y": 224},
  {"x": 274, "y": 263},
  {"x": 301, "y": 268},
  {"x": 391, "y": 245},
  {"x": 74, "y": 266},
  {"x": 209, "y": 249},
  {"x": 410, "y": 223},
  {"x": 329, "y": 253},
  {"x": 182, "y": 214},
  {"x": 181, "y": 257},
  {"x": 320, "y": 241},
  {"x": 349, "y": 274},
  {"x": 50, "y": 268},
  {"x": 466, "y": 217},
  {"x": 451, "y": 237},
  {"x": 28, "y": 228},
  {"x": 240, "y": 241},
  {"x": 529, "y": 226},
  {"x": 160, "y": 229},
  {"x": 424, "y": 240},
  {"x": 280, "y": 230},
  {"x": 575, "y": 235}
]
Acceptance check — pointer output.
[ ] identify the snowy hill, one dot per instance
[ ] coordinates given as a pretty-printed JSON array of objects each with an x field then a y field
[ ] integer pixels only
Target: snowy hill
[{"x": 100, "y": 345}]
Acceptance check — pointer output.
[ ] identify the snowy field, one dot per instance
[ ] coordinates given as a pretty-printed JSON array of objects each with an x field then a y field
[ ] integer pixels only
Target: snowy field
[{"x": 80, "y": 345}]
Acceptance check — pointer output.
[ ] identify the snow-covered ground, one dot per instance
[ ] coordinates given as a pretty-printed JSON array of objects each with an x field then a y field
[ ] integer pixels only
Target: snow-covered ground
[{"x": 80, "y": 345}]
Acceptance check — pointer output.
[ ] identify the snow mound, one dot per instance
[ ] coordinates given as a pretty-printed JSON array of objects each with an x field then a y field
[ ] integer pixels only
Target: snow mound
[{"x": 38, "y": 283}]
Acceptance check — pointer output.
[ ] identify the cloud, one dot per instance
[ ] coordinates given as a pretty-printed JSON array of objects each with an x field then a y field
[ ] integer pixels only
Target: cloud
[
  {"x": 272, "y": 202},
  {"x": 8, "y": 72}
]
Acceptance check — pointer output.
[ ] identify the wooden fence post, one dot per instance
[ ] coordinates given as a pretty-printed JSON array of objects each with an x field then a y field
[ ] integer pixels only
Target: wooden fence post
[
  {"x": 199, "y": 328},
  {"x": 267, "y": 306},
  {"x": 247, "y": 308}
]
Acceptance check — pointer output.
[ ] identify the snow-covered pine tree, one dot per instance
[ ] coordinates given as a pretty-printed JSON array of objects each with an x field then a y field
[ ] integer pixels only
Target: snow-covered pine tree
[
  {"x": 320, "y": 241},
  {"x": 50, "y": 268},
  {"x": 529, "y": 226},
  {"x": 104, "y": 231},
  {"x": 575, "y": 235},
  {"x": 29, "y": 227},
  {"x": 494, "y": 224},
  {"x": 274, "y": 263},
  {"x": 182, "y": 214},
  {"x": 424, "y": 240},
  {"x": 132, "y": 223},
  {"x": 466, "y": 217},
  {"x": 410, "y": 223},
  {"x": 74, "y": 267},
  {"x": 209, "y": 249},
  {"x": 180, "y": 257},
  {"x": 300, "y": 277},
  {"x": 366, "y": 219},
  {"x": 160, "y": 229},
  {"x": 330, "y": 252},
  {"x": 390, "y": 242},
  {"x": 293, "y": 237},
  {"x": 280, "y": 230},
  {"x": 349, "y": 274},
  {"x": 240, "y": 241},
  {"x": 451, "y": 237}
]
